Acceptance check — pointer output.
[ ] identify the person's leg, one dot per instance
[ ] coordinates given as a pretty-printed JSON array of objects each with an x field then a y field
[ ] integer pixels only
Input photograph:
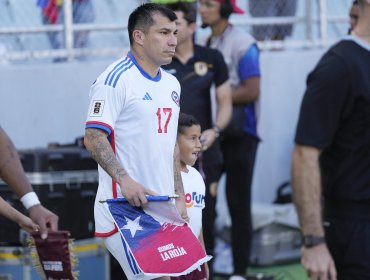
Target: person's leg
[
  {"x": 212, "y": 175},
  {"x": 239, "y": 156},
  {"x": 286, "y": 8},
  {"x": 55, "y": 38},
  {"x": 262, "y": 8},
  {"x": 83, "y": 12}
]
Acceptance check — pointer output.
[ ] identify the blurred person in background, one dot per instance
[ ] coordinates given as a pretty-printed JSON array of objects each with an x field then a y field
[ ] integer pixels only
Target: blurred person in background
[
  {"x": 331, "y": 160},
  {"x": 239, "y": 140},
  {"x": 53, "y": 13},
  {"x": 353, "y": 15},
  {"x": 12, "y": 173},
  {"x": 272, "y": 8}
]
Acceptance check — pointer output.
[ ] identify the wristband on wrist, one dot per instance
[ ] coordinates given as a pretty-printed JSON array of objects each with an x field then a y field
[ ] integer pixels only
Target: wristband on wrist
[{"x": 30, "y": 199}]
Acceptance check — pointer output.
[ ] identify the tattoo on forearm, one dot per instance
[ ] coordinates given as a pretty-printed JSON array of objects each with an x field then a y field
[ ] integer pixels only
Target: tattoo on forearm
[{"x": 102, "y": 152}]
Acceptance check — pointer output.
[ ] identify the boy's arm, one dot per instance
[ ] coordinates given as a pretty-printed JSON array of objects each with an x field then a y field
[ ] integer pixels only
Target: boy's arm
[{"x": 179, "y": 187}]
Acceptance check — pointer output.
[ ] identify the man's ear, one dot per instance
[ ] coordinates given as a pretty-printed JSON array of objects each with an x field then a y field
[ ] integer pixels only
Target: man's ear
[
  {"x": 138, "y": 37},
  {"x": 193, "y": 27}
]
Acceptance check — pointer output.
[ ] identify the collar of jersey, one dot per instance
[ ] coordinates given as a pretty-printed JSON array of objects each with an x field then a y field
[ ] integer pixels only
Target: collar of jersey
[
  {"x": 145, "y": 74},
  {"x": 358, "y": 41}
]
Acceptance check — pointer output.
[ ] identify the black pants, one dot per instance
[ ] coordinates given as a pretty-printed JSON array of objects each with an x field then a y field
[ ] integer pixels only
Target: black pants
[
  {"x": 212, "y": 174},
  {"x": 239, "y": 157},
  {"x": 347, "y": 233}
]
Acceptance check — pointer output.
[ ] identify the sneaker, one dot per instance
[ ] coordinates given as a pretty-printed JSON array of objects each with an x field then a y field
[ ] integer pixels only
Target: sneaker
[{"x": 237, "y": 277}]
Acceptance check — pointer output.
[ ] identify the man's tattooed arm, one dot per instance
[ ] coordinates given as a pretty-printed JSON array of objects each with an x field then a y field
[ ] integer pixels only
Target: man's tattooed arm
[{"x": 97, "y": 143}]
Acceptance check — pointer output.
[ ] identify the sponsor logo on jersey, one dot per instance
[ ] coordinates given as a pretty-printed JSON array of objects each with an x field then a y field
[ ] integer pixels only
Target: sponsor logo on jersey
[
  {"x": 200, "y": 68},
  {"x": 176, "y": 98},
  {"x": 194, "y": 199},
  {"x": 147, "y": 96},
  {"x": 97, "y": 108}
]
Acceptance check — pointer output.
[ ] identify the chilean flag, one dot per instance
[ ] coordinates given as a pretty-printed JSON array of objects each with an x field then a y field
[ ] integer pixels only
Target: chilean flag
[{"x": 160, "y": 241}]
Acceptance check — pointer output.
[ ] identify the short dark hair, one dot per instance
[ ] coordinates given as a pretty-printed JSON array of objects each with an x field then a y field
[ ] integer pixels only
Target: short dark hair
[
  {"x": 186, "y": 121},
  {"x": 190, "y": 13},
  {"x": 142, "y": 17}
]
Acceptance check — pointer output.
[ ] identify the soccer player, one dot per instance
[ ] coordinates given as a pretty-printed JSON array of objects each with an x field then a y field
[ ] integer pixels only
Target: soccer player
[
  {"x": 131, "y": 125},
  {"x": 188, "y": 140}
]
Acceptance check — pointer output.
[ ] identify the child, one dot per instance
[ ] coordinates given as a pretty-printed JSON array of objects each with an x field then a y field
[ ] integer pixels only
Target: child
[
  {"x": 188, "y": 139},
  {"x": 11, "y": 213}
]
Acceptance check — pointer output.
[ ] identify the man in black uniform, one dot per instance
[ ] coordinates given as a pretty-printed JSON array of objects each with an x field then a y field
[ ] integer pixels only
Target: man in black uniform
[
  {"x": 332, "y": 158},
  {"x": 198, "y": 68}
]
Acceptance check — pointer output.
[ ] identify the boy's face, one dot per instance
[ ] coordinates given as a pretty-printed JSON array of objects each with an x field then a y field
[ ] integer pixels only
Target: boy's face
[{"x": 189, "y": 145}]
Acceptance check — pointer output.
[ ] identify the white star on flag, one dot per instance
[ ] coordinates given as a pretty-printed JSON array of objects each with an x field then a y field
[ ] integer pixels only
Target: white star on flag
[{"x": 133, "y": 225}]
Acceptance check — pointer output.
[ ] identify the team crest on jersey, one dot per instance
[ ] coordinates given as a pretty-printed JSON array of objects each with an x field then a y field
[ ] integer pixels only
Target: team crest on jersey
[
  {"x": 194, "y": 199},
  {"x": 176, "y": 98},
  {"x": 97, "y": 108},
  {"x": 200, "y": 68}
]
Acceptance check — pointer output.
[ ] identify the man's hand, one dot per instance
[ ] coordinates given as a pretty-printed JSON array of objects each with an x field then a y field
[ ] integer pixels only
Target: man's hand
[
  {"x": 207, "y": 138},
  {"x": 44, "y": 218},
  {"x": 134, "y": 192},
  {"x": 318, "y": 263}
]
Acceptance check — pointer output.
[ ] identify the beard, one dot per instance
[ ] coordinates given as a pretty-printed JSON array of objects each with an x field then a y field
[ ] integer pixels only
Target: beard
[{"x": 204, "y": 25}]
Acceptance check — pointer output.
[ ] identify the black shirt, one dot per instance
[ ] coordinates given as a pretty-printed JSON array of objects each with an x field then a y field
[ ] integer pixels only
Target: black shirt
[
  {"x": 196, "y": 77},
  {"x": 335, "y": 117}
]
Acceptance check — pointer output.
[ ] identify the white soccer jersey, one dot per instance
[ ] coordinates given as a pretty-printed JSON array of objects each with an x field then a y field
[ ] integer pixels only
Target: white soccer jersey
[
  {"x": 140, "y": 115},
  {"x": 194, "y": 189}
]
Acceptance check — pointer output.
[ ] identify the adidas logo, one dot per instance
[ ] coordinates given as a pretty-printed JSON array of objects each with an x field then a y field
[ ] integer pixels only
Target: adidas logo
[{"x": 147, "y": 96}]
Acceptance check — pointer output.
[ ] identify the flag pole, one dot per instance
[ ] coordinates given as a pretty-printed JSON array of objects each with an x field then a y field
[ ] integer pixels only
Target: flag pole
[{"x": 148, "y": 197}]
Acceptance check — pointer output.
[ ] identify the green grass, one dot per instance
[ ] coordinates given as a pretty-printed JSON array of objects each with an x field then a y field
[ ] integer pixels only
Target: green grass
[{"x": 280, "y": 272}]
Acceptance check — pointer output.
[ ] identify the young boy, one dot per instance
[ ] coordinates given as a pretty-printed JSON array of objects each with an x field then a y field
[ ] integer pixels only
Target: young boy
[
  {"x": 22, "y": 220},
  {"x": 188, "y": 139}
]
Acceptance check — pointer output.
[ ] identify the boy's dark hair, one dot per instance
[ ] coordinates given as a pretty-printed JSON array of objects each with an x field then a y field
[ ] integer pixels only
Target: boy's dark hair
[
  {"x": 185, "y": 121},
  {"x": 142, "y": 17},
  {"x": 190, "y": 13}
]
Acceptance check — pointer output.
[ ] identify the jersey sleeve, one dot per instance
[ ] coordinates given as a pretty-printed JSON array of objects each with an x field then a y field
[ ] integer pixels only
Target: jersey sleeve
[
  {"x": 249, "y": 65},
  {"x": 323, "y": 104},
  {"x": 105, "y": 106},
  {"x": 221, "y": 71}
]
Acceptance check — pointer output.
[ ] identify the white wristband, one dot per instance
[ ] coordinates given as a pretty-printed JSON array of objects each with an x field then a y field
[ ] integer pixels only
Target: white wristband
[{"x": 30, "y": 199}]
